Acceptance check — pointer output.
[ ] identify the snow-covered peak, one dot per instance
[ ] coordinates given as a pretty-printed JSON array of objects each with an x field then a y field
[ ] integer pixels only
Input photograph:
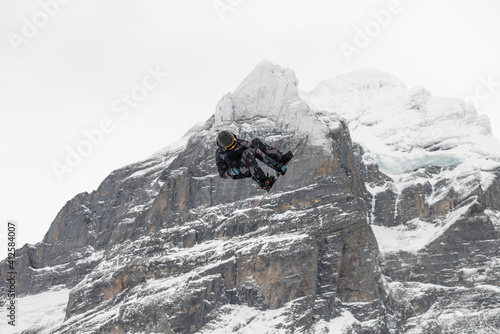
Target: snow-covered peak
[
  {"x": 417, "y": 98},
  {"x": 268, "y": 102},
  {"x": 266, "y": 74},
  {"x": 369, "y": 79},
  {"x": 266, "y": 92},
  {"x": 360, "y": 82},
  {"x": 403, "y": 129}
]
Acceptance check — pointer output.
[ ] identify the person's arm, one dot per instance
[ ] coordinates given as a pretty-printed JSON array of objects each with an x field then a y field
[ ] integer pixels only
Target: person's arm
[{"x": 224, "y": 171}]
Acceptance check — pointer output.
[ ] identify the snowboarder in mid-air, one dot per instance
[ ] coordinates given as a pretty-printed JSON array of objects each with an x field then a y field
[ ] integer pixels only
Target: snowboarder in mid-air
[{"x": 236, "y": 159}]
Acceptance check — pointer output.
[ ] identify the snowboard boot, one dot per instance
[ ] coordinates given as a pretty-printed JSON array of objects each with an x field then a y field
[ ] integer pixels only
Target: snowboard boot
[
  {"x": 282, "y": 161},
  {"x": 267, "y": 183}
]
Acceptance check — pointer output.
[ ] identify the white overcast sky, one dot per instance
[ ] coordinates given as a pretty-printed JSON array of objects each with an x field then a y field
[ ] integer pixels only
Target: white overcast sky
[{"x": 68, "y": 73}]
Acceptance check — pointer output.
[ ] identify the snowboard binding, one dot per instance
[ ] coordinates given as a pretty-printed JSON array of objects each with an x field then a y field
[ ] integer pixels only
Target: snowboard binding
[{"x": 267, "y": 183}]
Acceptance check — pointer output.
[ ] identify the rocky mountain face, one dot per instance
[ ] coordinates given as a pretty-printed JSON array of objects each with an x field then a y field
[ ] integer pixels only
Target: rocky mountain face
[{"x": 387, "y": 221}]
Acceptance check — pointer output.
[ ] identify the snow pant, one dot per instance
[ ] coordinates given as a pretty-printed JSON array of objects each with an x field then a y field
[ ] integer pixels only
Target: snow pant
[
  {"x": 269, "y": 151},
  {"x": 248, "y": 165},
  {"x": 250, "y": 168}
]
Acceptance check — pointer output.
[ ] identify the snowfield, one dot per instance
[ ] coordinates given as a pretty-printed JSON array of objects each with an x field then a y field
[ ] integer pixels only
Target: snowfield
[{"x": 41, "y": 314}]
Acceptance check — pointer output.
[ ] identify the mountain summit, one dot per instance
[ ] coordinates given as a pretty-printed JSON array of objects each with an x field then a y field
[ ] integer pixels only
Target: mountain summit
[{"x": 388, "y": 221}]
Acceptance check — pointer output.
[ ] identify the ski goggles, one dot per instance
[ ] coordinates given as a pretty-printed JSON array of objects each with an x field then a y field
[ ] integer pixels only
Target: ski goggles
[{"x": 232, "y": 145}]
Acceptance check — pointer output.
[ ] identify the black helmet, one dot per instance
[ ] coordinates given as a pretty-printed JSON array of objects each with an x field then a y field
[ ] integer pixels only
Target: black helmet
[{"x": 226, "y": 139}]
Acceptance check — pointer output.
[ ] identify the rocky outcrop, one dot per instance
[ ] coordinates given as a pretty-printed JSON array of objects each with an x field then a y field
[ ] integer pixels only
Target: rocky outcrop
[{"x": 298, "y": 248}]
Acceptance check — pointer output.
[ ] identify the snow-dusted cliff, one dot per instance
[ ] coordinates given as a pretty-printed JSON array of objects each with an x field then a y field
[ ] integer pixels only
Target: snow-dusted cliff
[{"x": 387, "y": 222}]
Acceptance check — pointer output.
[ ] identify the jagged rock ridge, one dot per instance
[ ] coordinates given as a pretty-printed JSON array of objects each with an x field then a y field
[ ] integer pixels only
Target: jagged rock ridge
[{"x": 166, "y": 246}]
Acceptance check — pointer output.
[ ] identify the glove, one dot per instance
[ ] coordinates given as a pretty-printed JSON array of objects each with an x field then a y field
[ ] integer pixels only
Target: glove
[
  {"x": 281, "y": 169},
  {"x": 234, "y": 171}
]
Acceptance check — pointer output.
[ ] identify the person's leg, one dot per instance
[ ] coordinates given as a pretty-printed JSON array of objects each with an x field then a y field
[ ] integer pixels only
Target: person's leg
[
  {"x": 270, "y": 151},
  {"x": 250, "y": 167}
]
